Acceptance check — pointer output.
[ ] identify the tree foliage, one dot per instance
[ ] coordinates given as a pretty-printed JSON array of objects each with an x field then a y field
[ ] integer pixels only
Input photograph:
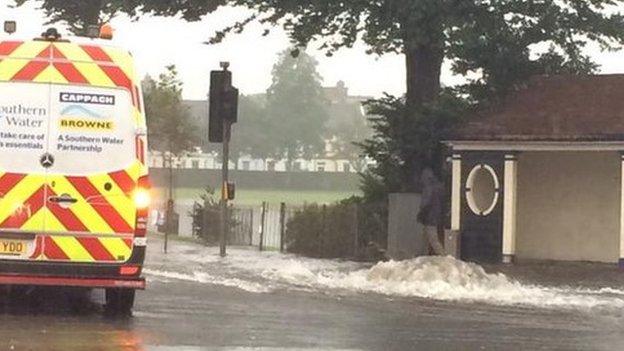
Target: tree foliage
[
  {"x": 491, "y": 37},
  {"x": 403, "y": 142},
  {"x": 250, "y": 135},
  {"x": 78, "y": 15},
  {"x": 295, "y": 108},
  {"x": 287, "y": 121},
  {"x": 499, "y": 44},
  {"x": 169, "y": 124}
]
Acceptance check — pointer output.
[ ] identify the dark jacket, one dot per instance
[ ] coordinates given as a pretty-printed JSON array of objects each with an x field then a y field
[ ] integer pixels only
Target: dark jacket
[{"x": 432, "y": 201}]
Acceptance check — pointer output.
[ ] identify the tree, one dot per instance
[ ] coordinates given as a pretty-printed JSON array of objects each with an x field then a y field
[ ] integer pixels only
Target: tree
[
  {"x": 295, "y": 108},
  {"x": 251, "y": 134},
  {"x": 170, "y": 127},
  {"x": 78, "y": 15},
  {"x": 169, "y": 124},
  {"x": 347, "y": 127},
  {"x": 401, "y": 146}
]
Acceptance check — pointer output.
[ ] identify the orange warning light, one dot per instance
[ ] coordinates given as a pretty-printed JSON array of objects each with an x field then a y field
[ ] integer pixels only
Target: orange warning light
[{"x": 106, "y": 31}]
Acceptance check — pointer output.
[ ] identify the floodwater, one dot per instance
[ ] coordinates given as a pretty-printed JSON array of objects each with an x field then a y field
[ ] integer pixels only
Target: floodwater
[{"x": 269, "y": 301}]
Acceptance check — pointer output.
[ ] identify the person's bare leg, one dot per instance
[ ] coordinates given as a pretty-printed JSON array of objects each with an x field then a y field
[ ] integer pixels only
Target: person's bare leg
[{"x": 434, "y": 242}]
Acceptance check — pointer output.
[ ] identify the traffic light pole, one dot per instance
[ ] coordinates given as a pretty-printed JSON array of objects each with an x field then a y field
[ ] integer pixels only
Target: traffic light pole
[
  {"x": 225, "y": 227},
  {"x": 223, "y": 113}
]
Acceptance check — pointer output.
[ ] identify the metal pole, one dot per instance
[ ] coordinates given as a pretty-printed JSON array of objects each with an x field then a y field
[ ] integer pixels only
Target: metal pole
[
  {"x": 169, "y": 225},
  {"x": 356, "y": 229},
  {"x": 224, "y": 186},
  {"x": 251, "y": 226},
  {"x": 282, "y": 225}
]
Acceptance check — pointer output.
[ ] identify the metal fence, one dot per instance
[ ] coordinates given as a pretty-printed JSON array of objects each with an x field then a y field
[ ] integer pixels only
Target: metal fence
[
  {"x": 272, "y": 227},
  {"x": 242, "y": 230}
]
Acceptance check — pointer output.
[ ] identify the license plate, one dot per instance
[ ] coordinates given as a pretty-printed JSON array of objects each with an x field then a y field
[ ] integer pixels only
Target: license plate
[{"x": 13, "y": 247}]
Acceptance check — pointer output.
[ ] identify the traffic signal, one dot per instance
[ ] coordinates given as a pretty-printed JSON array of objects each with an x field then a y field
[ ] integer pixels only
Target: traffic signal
[
  {"x": 223, "y": 104},
  {"x": 228, "y": 191}
]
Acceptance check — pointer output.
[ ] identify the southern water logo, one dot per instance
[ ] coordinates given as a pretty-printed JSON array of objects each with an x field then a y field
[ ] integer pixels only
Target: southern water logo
[
  {"x": 81, "y": 111},
  {"x": 23, "y": 116}
]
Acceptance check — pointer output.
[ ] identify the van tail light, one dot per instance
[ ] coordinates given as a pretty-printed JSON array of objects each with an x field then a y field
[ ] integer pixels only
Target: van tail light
[
  {"x": 129, "y": 270},
  {"x": 142, "y": 200},
  {"x": 142, "y": 197},
  {"x": 141, "y": 223}
]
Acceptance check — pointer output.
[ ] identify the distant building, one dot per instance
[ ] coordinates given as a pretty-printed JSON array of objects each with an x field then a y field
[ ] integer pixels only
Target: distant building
[
  {"x": 347, "y": 121},
  {"x": 202, "y": 160},
  {"x": 340, "y": 93}
]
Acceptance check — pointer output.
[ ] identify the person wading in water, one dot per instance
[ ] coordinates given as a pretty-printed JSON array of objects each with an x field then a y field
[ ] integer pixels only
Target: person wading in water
[{"x": 431, "y": 212}]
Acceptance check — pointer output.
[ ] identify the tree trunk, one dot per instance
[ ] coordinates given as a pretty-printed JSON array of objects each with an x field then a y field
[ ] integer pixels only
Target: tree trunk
[
  {"x": 170, "y": 190},
  {"x": 423, "y": 67},
  {"x": 289, "y": 159},
  {"x": 91, "y": 17}
]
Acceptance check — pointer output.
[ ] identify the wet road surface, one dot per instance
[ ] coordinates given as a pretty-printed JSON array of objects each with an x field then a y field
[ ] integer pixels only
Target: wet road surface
[{"x": 223, "y": 312}]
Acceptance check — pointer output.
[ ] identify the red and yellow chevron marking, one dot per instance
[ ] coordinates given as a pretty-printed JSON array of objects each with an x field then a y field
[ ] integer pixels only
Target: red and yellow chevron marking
[
  {"x": 105, "y": 204},
  {"x": 68, "y": 63},
  {"x": 98, "y": 227},
  {"x": 86, "y": 249},
  {"x": 22, "y": 201}
]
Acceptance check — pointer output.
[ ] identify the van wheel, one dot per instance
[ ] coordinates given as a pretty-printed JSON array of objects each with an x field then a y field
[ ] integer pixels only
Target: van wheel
[{"x": 119, "y": 301}]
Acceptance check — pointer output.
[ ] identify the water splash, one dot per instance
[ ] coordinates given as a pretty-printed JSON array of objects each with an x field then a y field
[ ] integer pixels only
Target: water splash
[{"x": 440, "y": 278}]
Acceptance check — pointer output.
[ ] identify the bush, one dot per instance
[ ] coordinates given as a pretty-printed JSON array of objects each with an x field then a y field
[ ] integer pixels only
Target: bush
[
  {"x": 341, "y": 230},
  {"x": 207, "y": 217}
]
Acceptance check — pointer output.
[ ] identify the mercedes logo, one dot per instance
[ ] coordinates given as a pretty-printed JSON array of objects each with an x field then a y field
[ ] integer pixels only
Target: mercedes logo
[{"x": 47, "y": 160}]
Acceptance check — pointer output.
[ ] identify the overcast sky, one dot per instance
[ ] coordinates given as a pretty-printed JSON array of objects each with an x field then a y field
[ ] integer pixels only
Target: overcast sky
[{"x": 157, "y": 42}]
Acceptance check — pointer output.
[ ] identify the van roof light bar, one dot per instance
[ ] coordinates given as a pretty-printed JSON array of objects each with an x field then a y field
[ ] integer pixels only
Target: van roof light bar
[{"x": 51, "y": 34}]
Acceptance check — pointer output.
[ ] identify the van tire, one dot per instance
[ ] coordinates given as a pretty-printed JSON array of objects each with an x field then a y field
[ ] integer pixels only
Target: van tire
[{"x": 119, "y": 301}]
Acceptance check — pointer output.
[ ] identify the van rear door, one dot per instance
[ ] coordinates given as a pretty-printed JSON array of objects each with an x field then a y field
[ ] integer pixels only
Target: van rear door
[
  {"x": 91, "y": 214},
  {"x": 24, "y": 113}
]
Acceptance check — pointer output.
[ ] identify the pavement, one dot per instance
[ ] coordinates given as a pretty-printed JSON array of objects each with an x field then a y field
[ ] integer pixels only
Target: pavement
[{"x": 267, "y": 301}]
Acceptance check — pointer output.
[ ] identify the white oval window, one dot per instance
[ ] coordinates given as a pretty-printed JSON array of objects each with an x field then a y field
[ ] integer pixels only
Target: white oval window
[{"x": 482, "y": 190}]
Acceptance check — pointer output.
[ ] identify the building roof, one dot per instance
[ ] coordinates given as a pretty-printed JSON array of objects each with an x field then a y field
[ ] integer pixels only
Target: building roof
[{"x": 554, "y": 108}]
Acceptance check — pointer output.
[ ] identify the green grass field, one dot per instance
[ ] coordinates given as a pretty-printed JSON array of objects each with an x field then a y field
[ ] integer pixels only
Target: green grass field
[{"x": 257, "y": 196}]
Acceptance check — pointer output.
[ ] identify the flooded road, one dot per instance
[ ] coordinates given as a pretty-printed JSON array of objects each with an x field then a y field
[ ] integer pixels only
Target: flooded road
[{"x": 268, "y": 301}]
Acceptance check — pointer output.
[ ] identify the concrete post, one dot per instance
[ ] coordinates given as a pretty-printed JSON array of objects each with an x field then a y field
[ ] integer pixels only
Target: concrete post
[{"x": 509, "y": 208}]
